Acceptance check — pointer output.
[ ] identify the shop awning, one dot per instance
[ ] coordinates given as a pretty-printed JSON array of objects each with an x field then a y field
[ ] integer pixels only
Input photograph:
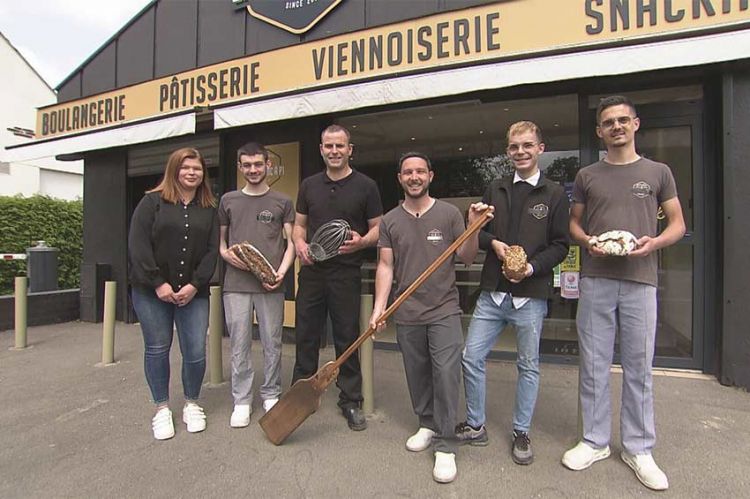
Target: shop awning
[
  {"x": 135, "y": 133},
  {"x": 719, "y": 47}
]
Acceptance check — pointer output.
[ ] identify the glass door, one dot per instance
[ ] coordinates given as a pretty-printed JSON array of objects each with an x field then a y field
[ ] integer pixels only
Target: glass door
[{"x": 674, "y": 135}]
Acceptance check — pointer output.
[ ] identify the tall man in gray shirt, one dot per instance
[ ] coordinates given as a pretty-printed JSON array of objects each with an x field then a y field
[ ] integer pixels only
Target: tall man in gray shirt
[
  {"x": 428, "y": 324},
  {"x": 621, "y": 192},
  {"x": 264, "y": 218}
]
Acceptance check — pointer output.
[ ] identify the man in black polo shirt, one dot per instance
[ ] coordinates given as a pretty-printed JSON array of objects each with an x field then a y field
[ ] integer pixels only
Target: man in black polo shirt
[{"x": 334, "y": 286}]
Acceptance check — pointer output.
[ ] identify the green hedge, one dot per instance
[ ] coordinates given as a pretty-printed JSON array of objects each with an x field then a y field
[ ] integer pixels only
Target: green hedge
[{"x": 26, "y": 220}]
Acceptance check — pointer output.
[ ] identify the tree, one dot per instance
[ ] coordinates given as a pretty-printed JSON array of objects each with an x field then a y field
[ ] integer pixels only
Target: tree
[
  {"x": 468, "y": 177},
  {"x": 563, "y": 169}
]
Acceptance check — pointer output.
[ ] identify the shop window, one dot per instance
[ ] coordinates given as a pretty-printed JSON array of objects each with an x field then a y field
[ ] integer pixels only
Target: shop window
[{"x": 466, "y": 143}]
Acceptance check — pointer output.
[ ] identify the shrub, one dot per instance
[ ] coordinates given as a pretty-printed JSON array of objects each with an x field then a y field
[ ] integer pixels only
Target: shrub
[{"x": 23, "y": 221}]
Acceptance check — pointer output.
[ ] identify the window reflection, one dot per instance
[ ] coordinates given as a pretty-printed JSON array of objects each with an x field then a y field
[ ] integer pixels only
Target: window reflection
[{"x": 466, "y": 143}]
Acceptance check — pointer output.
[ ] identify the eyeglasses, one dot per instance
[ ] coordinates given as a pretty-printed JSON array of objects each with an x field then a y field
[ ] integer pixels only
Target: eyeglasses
[
  {"x": 622, "y": 120},
  {"x": 526, "y": 146}
]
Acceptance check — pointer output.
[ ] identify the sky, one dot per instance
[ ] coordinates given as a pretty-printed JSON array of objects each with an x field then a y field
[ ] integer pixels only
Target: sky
[{"x": 56, "y": 36}]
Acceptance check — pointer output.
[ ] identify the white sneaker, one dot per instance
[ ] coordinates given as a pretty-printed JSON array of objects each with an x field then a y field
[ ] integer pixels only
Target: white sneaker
[
  {"x": 420, "y": 440},
  {"x": 193, "y": 417},
  {"x": 646, "y": 470},
  {"x": 583, "y": 455},
  {"x": 162, "y": 424},
  {"x": 240, "y": 416},
  {"x": 269, "y": 403},
  {"x": 445, "y": 467}
]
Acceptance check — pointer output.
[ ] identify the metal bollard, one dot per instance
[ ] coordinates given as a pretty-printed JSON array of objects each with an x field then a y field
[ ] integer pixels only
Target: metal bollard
[
  {"x": 215, "y": 329},
  {"x": 21, "y": 310},
  {"x": 108, "y": 329},
  {"x": 366, "y": 356}
]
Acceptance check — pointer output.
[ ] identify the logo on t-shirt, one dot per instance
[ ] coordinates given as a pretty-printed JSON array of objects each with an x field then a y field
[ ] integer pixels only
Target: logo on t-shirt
[
  {"x": 265, "y": 217},
  {"x": 539, "y": 211},
  {"x": 434, "y": 236},
  {"x": 642, "y": 190}
]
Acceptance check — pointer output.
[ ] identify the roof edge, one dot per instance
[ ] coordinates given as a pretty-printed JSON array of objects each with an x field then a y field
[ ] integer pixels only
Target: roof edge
[
  {"x": 28, "y": 63},
  {"x": 105, "y": 44}
]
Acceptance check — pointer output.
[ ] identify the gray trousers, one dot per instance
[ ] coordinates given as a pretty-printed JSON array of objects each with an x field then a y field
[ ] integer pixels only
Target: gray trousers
[
  {"x": 606, "y": 306},
  {"x": 432, "y": 360},
  {"x": 238, "y": 311}
]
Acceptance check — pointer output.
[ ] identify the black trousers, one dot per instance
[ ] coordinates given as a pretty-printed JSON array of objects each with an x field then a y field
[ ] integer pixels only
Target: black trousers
[{"x": 324, "y": 290}]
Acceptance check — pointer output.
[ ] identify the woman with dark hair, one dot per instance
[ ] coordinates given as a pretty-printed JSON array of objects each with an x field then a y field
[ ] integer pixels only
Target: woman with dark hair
[{"x": 173, "y": 245}]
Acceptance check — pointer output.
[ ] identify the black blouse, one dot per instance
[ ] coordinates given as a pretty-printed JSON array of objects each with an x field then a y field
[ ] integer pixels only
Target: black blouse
[{"x": 173, "y": 243}]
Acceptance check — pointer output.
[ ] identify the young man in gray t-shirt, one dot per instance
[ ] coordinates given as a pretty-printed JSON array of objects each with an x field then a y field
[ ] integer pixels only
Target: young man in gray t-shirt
[
  {"x": 428, "y": 324},
  {"x": 263, "y": 218},
  {"x": 622, "y": 192}
]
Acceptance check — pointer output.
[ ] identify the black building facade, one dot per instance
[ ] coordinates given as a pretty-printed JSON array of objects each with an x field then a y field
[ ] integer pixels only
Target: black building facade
[{"x": 445, "y": 77}]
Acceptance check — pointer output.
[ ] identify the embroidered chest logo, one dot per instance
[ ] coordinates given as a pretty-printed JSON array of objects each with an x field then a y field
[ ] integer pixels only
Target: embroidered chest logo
[
  {"x": 642, "y": 190},
  {"x": 265, "y": 217},
  {"x": 434, "y": 236},
  {"x": 539, "y": 211}
]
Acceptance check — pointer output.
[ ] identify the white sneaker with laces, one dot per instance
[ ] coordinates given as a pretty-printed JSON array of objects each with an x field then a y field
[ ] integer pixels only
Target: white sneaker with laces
[
  {"x": 420, "y": 440},
  {"x": 269, "y": 403},
  {"x": 162, "y": 424},
  {"x": 646, "y": 470},
  {"x": 583, "y": 455},
  {"x": 193, "y": 417},
  {"x": 445, "y": 467},
  {"x": 240, "y": 416}
]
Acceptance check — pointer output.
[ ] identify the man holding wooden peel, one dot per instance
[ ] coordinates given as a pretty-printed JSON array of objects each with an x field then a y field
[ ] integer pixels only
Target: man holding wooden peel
[{"x": 428, "y": 323}]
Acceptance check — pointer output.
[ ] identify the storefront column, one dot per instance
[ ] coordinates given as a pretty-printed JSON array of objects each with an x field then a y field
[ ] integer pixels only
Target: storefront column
[
  {"x": 105, "y": 227},
  {"x": 735, "y": 347}
]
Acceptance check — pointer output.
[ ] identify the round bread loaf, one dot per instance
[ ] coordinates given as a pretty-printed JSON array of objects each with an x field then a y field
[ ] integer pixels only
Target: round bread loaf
[
  {"x": 515, "y": 262},
  {"x": 615, "y": 242}
]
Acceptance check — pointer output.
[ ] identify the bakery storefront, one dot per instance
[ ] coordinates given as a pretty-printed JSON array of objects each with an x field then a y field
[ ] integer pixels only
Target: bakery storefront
[{"x": 447, "y": 78}]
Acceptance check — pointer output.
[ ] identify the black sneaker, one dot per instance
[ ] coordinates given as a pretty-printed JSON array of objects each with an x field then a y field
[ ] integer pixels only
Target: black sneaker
[
  {"x": 466, "y": 434},
  {"x": 521, "y": 453}
]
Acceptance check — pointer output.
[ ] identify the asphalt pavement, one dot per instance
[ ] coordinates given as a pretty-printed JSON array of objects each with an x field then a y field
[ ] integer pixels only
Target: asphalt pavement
[{"x": 70, "y": 428}]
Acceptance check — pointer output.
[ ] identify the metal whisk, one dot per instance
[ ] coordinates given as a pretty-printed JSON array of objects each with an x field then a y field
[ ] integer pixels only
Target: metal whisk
[{"x": 327, "y": 239}]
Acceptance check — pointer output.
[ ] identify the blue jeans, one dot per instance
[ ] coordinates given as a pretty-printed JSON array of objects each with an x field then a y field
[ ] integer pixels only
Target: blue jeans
[
  {"x": 486, "y": 324},
  {"x": 157, "y": 319}
]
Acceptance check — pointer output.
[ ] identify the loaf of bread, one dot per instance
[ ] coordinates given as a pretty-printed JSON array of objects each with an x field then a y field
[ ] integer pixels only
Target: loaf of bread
[
  {"x": 615, "y": 242},
  {"x": 515, "y": 262},
  {"x": 255, "y": 261}
]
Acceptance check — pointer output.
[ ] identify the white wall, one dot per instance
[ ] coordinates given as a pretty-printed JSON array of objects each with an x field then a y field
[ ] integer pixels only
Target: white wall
[{"x": 22, "y": 91}]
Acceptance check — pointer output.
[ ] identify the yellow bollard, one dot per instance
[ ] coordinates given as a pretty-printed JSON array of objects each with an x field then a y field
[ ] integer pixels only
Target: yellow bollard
[
  {"x": 366, "y": 356},
  {"x": 108, "y": 329},
  {"x": 215, "y": 329},
  {"x": 21, "y": 310}
]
